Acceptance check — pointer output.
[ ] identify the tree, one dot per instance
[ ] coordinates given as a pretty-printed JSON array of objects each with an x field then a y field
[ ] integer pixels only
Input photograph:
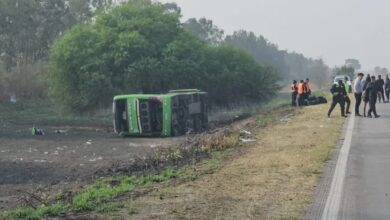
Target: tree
[
  {"x": 290, "y": 65},
  {"x": 381, "y": 70},
  {"x": 204, "y": 29},
  {"x": 354, "y": 63},
  {"x": 344, "y": 70},
  {"x": 141, "y": 47}
]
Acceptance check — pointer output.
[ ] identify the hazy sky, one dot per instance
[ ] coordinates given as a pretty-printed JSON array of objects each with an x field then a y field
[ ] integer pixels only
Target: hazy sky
[{"x": 330, "y": 29}]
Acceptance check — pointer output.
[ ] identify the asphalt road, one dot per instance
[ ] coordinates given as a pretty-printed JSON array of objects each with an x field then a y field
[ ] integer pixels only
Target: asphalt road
[{"x": 360, "y": 186}]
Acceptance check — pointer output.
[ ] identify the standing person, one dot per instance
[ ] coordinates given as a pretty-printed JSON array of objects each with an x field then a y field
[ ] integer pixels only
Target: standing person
[
  {"x": 294, "y": 93},
  {"x": 301, "y": 93},
  {"x": 373, "y": 90},
  {"x": 347, "y": 100},
  {"x": 366, "y": 97},
  {"x": 339, "y": 93},
  {"x": 381, "y": 93},
  {"x": 308, "y": 87},
  {"x": 387, "y": 88},
  {"x": 358, "y": 87}
]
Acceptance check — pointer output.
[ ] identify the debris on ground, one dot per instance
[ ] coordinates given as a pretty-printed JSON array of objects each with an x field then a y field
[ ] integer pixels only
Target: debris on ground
[
  {"x": 245, "y": 140},
  {"x": 246, "y": 136},
  {"x": 286, "y": 118},
  {"x": 37, "y": 131},
  {"x": 61, "y": 131},
  {"x": 244, "y": 132}
]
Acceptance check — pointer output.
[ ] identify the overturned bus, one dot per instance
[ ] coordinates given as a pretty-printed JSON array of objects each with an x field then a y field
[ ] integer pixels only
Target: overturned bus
[{"x": 177, "y": 113}]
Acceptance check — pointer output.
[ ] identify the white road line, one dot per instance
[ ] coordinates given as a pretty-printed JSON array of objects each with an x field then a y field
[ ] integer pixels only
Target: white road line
[{"x": 333, "y": 201}]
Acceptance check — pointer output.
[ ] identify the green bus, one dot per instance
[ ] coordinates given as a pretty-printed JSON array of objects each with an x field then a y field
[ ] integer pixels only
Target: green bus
[{"x": 176, "y": 113}]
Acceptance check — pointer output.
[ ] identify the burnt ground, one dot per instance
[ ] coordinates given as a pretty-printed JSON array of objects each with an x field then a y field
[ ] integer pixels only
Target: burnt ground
[{"x": 63, "y": 160}]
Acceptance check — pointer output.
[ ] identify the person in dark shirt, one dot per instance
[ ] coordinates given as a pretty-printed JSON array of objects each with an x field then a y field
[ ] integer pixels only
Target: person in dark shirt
[
  {"x": 387, "y": 88},
  {"x": 381, "y": 92},
  {"x": 366, "y": 97},
  {"x": 373, "y": 88},
  {"x": 338, "y": 91}
]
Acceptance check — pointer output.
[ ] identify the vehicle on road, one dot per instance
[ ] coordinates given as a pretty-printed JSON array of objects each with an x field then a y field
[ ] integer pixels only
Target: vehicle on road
[
  {"x": 176, "y": 113},
  {"x": 342, "y": 77}
]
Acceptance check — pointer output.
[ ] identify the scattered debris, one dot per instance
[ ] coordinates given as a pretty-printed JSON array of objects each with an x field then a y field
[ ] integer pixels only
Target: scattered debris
[
  {"x": 89, "y": 142},
  {"x": 61, "y": 131},
  {"x": 286, "y": 118},
  {"x": 132, "y": 145},
  {"x": 247, "y": 140},
  {"x": 244, "y": 132},
  {"x": 37, "y": 131}
]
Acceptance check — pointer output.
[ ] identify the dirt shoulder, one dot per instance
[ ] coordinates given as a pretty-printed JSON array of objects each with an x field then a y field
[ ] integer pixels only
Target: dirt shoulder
[{"x": 272, "y": 178}]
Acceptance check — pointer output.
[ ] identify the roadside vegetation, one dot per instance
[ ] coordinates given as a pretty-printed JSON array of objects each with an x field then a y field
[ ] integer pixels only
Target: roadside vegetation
[
  {"x": 97, "y": 49},
  {"x": 273, "y": 177}
]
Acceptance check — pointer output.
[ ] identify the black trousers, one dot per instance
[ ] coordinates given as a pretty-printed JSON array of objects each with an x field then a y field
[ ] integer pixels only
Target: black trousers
[
  {"x": 381, "y": 95},
  {"x": 388, "y": 94},
  {"x": 372, "y": 103},
  {"x": 358, "y": 97},
  {"x": 348, "y": 101},
  {"x": 337, "y": 100},
  {"x": 301, "y": 99},
  {"x": 294, "y": 99}
]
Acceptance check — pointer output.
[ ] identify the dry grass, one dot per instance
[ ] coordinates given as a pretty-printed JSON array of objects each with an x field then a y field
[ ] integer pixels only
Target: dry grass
[{"x": 274, "y": 179}]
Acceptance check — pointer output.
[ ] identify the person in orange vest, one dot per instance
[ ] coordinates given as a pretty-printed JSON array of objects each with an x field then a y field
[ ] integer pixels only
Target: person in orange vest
[
  {"x": 301, "y": 93},
  {"x": 294, "y": 93}
]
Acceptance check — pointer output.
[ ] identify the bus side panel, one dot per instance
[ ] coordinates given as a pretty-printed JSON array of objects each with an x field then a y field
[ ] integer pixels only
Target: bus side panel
[
  {"x": 133, "y": 117},
  {"x": 167, "y": 116}
]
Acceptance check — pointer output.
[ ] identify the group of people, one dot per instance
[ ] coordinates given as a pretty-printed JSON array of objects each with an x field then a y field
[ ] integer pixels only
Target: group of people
[
  {"x": 369, "y": 91},
  {"x": 300, "y": 92}
]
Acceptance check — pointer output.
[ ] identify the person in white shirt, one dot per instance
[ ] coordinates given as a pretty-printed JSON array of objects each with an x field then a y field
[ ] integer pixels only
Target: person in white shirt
[{"x": 358, "y": 88}]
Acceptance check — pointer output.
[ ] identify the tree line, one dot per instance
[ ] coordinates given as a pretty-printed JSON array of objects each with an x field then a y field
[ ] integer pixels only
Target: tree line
[
  {"x": 83, "y": 52},
  {"x": 290, "y": 65}
]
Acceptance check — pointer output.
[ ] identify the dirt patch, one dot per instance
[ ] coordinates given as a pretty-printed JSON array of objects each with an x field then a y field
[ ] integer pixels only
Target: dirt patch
[
  {"x": 273, "y": 179},
  {"x": 64, "y": 158}
]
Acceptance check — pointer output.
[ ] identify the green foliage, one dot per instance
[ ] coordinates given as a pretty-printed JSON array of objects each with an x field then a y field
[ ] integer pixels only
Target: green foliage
[
  {"x": 95, "y": 197},
  {"x": 141, "y": 47},
  {"x": 291, "y": 65},
  {"x": 104, "y": 191},
  {"x": 38, "y": 213},
  {"x": 204, "y": 29},
  {"x": 108, "y": 207}
]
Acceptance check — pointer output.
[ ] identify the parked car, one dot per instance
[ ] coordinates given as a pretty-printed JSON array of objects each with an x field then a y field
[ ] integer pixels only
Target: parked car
[{"x": 342, "y": 77}]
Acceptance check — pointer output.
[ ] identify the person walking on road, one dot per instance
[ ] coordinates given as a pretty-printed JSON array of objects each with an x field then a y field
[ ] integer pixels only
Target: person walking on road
[
  {"x": 339, "y": 93},
  {"x": 387, "y": 88},
  {"x": 380, "y": 82},
  {"x": 294, "y": 93},
  {"x": 347, "y": 90},
  {"x": 365, "y": 95},
  {"x": 373, "y": 90},
  {"x": 358, "y": 87}
]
